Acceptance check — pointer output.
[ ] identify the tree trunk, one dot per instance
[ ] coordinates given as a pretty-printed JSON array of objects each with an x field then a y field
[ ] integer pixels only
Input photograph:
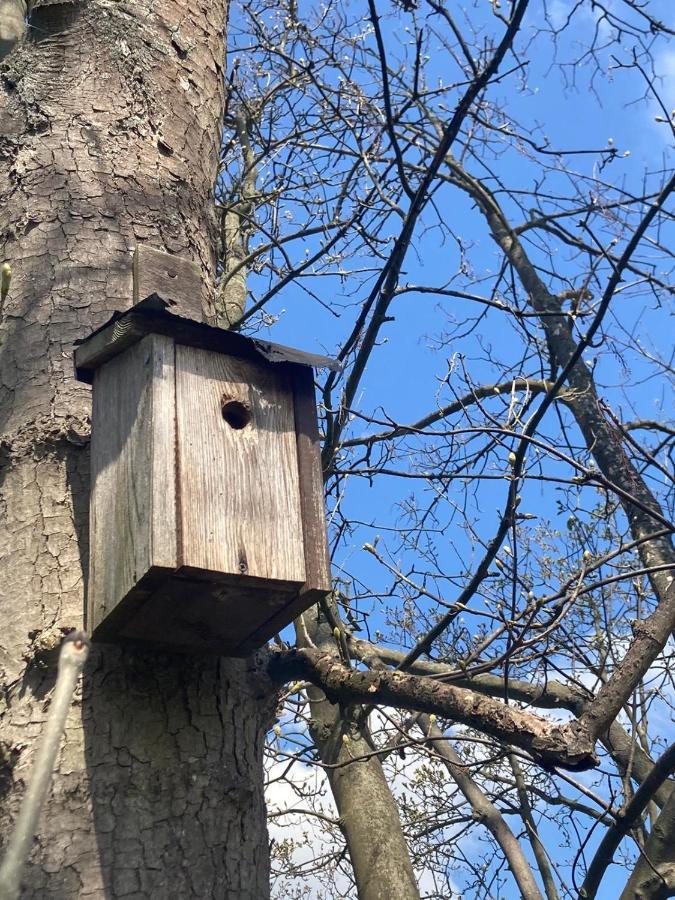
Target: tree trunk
[
  {"x": 653, "y": 877},
  {"x": 368, "y": 812},
  {"x": 109, "y": 138}
]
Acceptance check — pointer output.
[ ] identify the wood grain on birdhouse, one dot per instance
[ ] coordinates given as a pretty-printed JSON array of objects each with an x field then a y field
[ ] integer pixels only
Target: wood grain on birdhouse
[
  {"x": 207, "y": 526},
  {"x": 133, "y": 500},
  {"x": 237, "y": 468}
]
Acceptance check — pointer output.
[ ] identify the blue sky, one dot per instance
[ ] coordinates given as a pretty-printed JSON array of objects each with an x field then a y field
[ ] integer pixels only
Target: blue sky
[{"x": 421, "y": 360}]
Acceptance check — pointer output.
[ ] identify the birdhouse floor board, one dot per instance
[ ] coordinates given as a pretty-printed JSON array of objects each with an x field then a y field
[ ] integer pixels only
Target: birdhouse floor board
[
  {"x": 281, "y": 617},
  {"x": 109, "y": 628},
  {"x": 186, "y": 615}
]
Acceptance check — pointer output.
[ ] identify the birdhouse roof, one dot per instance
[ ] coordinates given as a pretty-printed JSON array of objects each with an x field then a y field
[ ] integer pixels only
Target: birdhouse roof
[{"x": 123, "y": 330}]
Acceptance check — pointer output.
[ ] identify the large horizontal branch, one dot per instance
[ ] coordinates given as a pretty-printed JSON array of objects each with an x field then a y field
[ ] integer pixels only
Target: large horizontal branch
[
  {"x": 550, "y": 744},
  {"x": 624, "y": 749}
]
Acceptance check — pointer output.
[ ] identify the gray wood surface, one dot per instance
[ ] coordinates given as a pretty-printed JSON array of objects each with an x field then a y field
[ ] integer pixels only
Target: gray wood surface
[
  {"x": 133, "y": 499},
  {"x": 240, "y": 507},
  {"x": 178, "y": 281},
  {"x": 317, "y": 561},
  {"x": 204, "y": 616}
]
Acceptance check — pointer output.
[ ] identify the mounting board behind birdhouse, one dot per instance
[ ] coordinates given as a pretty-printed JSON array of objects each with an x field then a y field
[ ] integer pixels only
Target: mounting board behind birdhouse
[{"x": 207, "y": 523}]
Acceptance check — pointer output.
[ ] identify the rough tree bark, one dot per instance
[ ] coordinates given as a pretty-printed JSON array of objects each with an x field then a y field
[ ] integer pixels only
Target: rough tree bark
[
  {"x": 109, "y": 137},
  {"x": 653, "y": 878},
  {"x": 368, "y": 812}
]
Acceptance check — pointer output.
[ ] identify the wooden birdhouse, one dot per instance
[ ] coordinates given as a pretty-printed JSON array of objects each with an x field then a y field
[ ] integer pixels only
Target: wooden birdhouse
[{"x": 207, "y": 524}]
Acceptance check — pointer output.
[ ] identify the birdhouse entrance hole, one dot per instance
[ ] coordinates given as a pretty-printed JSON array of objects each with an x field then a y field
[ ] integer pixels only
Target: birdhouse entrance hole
[
  {"x": 202, "y": 540},
  {"x": 236, "y": 414}
]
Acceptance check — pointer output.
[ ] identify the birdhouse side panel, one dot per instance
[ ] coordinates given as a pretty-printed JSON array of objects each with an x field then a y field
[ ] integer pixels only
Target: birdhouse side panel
[
  {"x": 317, "y": 558},
  {"x": 237, "y": 468},
  {"x": 133, "y": 477}
]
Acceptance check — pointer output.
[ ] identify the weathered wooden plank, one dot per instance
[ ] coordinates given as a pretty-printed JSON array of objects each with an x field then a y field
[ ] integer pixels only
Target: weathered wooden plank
[
  {"x": 317, "y": 562},
  {"x": 176, "y": 280},
  {"x": 126, "y": 329},
  {"x": 133, "y": 499},
  {"x": 278, "y": 620},
  {"x": 164, "y": 523},
  {"x": 238, "y": 469},
  {"x": 188, "y": 615}
]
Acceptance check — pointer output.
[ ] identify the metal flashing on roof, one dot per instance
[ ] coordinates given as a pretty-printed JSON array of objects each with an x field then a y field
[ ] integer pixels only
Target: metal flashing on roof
[{"x": 150, "y": 316}]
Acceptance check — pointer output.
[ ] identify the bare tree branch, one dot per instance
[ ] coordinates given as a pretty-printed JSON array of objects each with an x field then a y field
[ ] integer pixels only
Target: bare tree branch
[{"x": 551, "y": 745}]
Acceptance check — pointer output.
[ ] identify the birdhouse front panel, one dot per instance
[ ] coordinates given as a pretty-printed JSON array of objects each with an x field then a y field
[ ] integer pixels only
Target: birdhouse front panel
[
  {"x": 237, "y": 468},
  {"x": 207, "y": 527}
]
